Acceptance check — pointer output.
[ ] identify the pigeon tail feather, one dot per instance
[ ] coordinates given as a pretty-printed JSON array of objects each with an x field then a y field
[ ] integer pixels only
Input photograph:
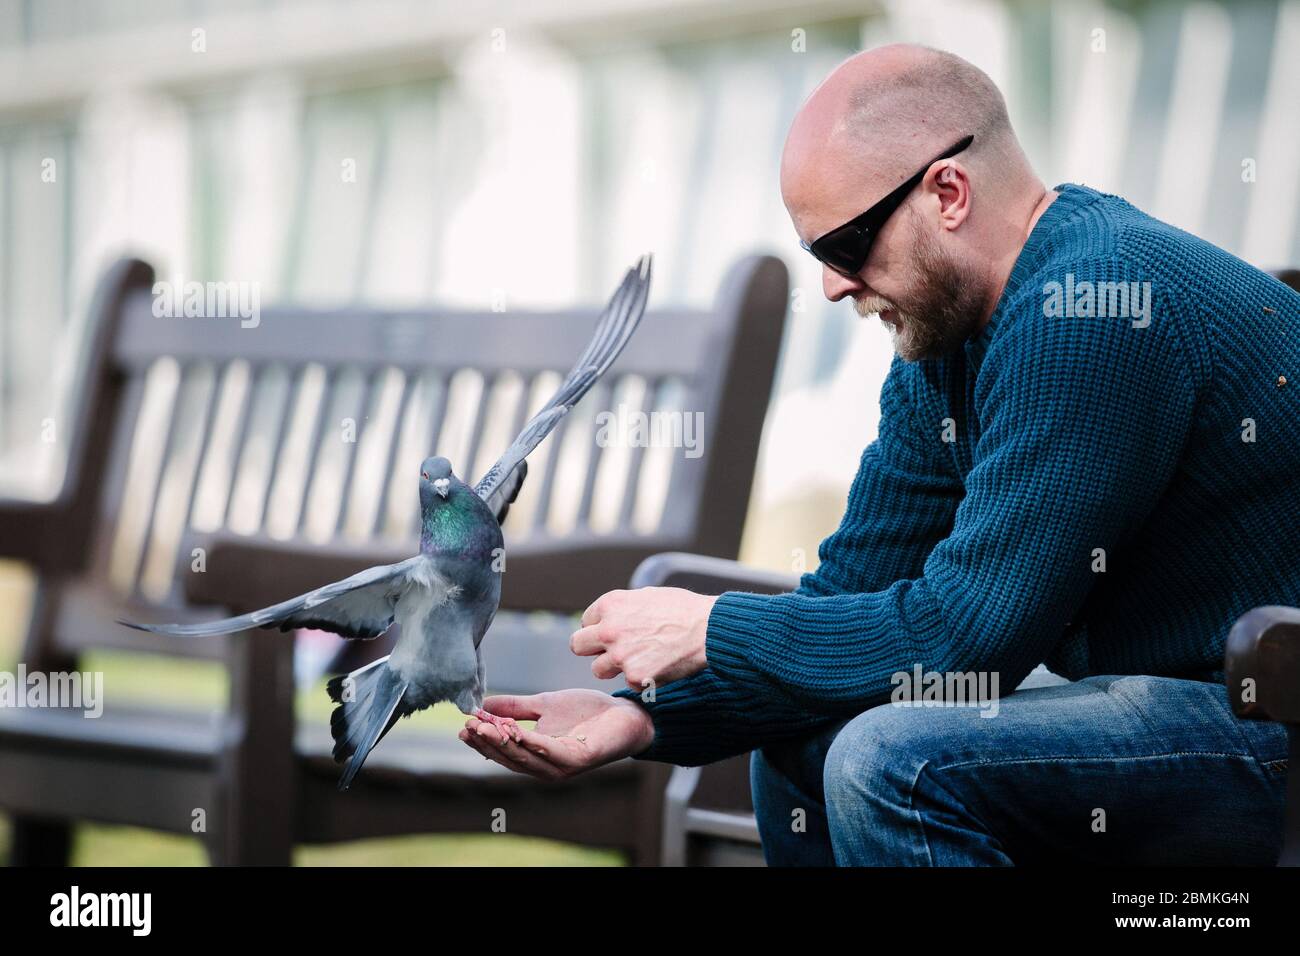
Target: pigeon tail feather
[{"x": 369, "y": 703}]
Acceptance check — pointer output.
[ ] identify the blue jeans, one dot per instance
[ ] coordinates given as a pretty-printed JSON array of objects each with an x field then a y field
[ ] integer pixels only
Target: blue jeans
[{"x": 1116, "y": 770}]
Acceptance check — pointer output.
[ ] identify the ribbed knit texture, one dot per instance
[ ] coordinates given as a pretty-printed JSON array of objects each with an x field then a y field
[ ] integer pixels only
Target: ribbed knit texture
[{"x": 1071, "y": 434}]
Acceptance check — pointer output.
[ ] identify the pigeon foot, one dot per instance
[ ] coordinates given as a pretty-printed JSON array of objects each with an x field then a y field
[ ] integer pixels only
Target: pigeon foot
[{"x": 505, "y": 725}]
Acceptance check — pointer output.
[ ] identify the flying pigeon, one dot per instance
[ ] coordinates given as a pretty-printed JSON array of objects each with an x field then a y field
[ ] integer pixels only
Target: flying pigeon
[{"x": 445, "y": 596}]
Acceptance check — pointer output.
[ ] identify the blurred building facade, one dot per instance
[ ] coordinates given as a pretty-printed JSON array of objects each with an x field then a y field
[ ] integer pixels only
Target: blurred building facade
[{"x": 399, "y": 152}]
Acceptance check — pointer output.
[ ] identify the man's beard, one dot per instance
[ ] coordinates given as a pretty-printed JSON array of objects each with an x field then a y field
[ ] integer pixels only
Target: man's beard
[{"x": 941, "y": 314}]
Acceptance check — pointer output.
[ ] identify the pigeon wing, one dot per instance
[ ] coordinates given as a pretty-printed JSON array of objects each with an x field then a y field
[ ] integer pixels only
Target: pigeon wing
[
  {"x": 616, "y": 325},
  {"x": 506, "y": 492},
  {"x": 361, "y": 606}
]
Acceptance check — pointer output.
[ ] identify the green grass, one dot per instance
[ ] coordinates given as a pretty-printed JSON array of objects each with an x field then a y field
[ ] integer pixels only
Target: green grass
[
  {"x": 98, "y": 845},
  {"x": 127, "y": 846}
]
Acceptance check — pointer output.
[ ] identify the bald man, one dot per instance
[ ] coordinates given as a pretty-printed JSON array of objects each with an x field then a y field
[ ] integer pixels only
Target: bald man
[{"x": 1088, "y": 456}]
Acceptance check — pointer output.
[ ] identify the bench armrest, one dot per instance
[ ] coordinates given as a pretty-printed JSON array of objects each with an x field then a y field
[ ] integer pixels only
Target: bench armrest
[
  {"x": 1262, "y": 664},
  {"x": 720, "y": 789},
  {"x": 1262, "y": 674},
  {"x": 708, "y": 575},
  {"x": 36, "y": 533}
]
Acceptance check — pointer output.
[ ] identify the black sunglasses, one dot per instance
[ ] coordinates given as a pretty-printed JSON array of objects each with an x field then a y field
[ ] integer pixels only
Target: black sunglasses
[{"x": 845, "y": 248}]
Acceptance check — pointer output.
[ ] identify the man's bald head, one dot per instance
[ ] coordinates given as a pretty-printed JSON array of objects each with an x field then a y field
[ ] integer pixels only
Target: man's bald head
[
  {"x": 878, "y": 118},
  {"x": 902, "y": 96},
  {"x": 882, "y": 112}
]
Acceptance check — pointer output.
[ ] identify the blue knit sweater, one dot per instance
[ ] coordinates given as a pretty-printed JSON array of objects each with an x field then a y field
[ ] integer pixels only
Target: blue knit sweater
[{"x": 1081, "y": 485}]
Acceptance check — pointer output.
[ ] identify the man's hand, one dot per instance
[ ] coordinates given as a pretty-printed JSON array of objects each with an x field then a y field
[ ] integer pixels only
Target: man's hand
[
  {"x": 651, "y": 636},
  {"x": 576, "y": 731}
]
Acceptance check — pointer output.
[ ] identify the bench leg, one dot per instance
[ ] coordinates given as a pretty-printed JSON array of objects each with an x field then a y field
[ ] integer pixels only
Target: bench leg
[
  {"x": 256, "y": 783},
  {"x": 647, "y": 845},
  {"x": 39, "y": 842},
  {"x": 42, "y": 841},
  {"x": 237, "y": 849}
]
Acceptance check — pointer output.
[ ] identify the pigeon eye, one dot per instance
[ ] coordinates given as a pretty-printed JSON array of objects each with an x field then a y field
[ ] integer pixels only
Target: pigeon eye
[{"x": 424, "y": 475}]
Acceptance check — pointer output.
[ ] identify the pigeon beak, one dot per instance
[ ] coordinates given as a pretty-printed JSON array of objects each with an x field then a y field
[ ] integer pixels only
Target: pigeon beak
[{"x": 442, "y": 486}]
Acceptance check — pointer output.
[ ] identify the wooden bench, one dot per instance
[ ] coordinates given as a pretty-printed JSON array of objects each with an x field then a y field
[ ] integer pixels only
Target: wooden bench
[
  {"x": 709, "y": 811},
  {"x": 198, "y": 433}
]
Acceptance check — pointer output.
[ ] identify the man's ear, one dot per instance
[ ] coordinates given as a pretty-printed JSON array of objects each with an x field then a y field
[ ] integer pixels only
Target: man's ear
[{"x": 951, "y": 187}]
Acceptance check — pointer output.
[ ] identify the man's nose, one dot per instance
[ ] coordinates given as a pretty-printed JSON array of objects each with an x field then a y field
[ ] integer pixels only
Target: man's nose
[{"x": 836, "y": 285}]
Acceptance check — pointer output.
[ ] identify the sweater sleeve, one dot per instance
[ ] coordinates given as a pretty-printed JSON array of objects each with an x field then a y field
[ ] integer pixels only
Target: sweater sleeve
[
  {"x": 901, "y": 503},
  {"x": 1083, "y": 421}
]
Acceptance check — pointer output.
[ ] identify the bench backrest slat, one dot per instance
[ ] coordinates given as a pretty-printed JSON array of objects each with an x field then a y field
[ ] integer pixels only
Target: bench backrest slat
[{"x": 445, "y": 340}]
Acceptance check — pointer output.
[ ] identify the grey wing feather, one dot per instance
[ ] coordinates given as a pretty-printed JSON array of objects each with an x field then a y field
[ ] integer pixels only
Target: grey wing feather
[
  {"x": 615, "y": 328},
  {"x": 505, "y": 493},
  {"x": 361, "y": 606}
]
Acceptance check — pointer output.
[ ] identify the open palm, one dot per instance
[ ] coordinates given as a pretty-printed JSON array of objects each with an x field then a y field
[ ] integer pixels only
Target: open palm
[{"x": 576, "y": 730}]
